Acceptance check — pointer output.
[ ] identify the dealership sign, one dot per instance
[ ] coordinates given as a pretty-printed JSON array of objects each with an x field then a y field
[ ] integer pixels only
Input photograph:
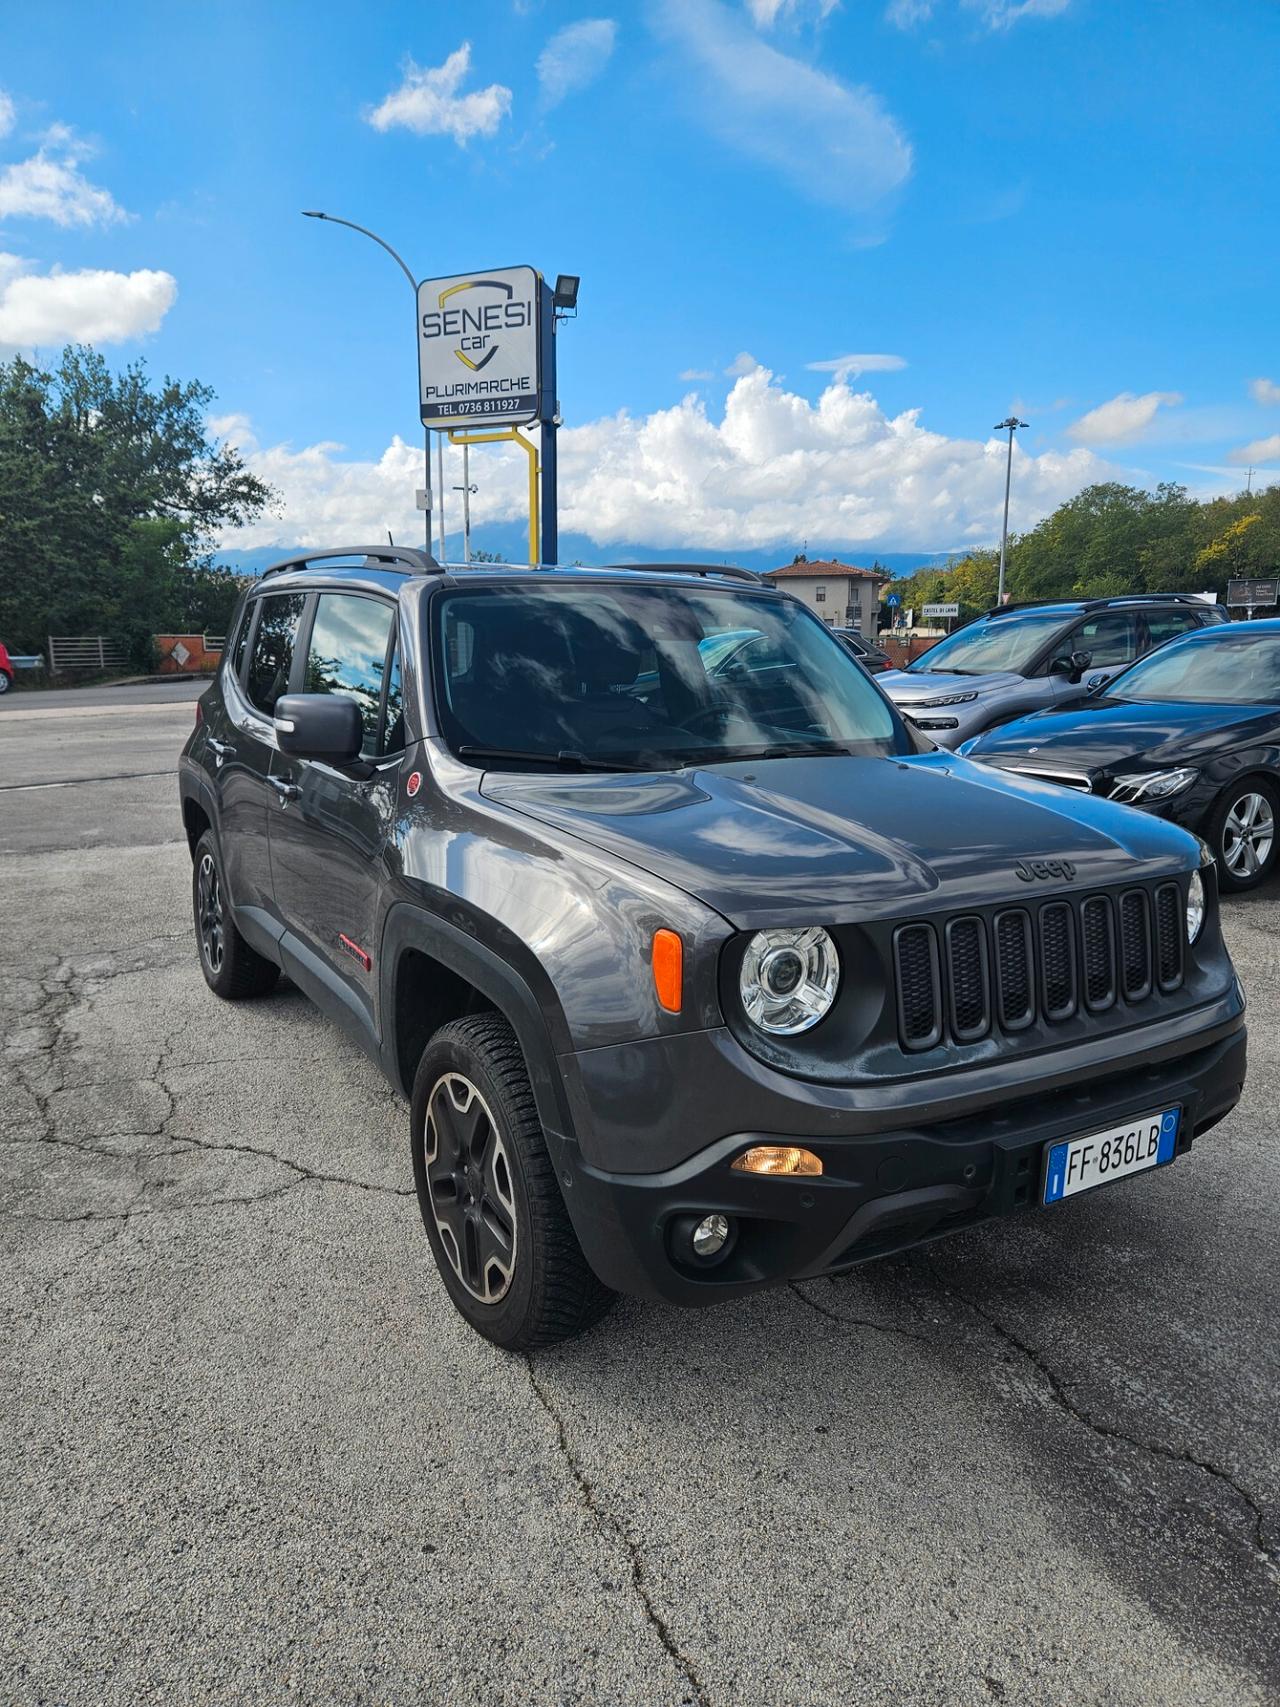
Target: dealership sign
[
  {"x": 1250, "y": 593},
  {"x": 480, "y": 339}
]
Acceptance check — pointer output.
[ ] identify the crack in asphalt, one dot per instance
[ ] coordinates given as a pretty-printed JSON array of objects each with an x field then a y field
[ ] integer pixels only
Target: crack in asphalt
[
  {"x": 1060, "y": 1390},
  {"x": 608, "y": 1525},
  {"x": 855, "y": 1321}
]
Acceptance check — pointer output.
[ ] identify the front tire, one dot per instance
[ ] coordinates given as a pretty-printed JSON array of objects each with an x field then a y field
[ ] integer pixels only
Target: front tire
[
  {"x": 1242, "y": 831},
  {"x": 487, "y": 1190},
  {"x": 231, "y": 968}
]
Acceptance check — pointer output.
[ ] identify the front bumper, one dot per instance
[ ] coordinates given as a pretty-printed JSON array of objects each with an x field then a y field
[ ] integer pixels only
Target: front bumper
[{"x": 878, "y": 1192}]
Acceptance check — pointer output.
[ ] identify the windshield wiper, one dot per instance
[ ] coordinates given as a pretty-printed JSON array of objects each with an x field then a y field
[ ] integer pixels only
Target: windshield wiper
[
  {"x": 780, "y": 750},
  {"x": 566, "y": 759}
]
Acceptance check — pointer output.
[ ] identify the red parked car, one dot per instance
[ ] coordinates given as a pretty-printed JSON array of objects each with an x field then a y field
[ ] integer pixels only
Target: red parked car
[{"x": 6, "y": 669}]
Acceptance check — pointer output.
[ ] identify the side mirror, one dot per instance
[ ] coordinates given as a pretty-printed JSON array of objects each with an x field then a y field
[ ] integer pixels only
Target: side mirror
[
  {"x": 1073, "y": 667},
  {"x": 322, "y": 726},
  {"x": 1060, "y": 667}
]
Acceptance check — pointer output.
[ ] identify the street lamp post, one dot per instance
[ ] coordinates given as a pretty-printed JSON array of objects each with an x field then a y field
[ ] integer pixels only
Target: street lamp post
[
  {"x": 1010, "y": 426},
  {"x": 312, "y": 213}
]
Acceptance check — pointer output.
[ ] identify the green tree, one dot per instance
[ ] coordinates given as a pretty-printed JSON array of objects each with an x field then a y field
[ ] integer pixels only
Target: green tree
[{"x": 111, "y": 491}]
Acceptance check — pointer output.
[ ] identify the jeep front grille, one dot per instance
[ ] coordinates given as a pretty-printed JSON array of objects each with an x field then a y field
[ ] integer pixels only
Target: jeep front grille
[{"x": 965, "y": 977}]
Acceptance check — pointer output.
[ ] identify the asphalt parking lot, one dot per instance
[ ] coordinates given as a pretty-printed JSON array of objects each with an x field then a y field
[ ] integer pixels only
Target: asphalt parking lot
[{"x": 252, "y": 1455}]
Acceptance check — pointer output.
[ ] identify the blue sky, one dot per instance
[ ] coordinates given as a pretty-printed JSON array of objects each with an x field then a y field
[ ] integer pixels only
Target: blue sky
[{"x": 1064, "y": 207}]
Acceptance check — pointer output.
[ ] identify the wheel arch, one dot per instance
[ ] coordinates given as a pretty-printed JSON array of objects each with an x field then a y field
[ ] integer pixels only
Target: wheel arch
[{"x": 434, "y": 971}]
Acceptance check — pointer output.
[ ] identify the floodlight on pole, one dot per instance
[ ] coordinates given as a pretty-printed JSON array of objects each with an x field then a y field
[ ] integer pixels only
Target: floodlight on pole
[
  {"x": 332, "y": 219},
  {"x": 1010, "y": 426}
]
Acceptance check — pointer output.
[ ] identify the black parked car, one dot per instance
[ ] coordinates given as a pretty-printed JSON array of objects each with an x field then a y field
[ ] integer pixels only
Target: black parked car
[
  {"x": 1191, "y": 733},
  {"x": 868, "y": 654},
  {"x": 701, "y": 976}
]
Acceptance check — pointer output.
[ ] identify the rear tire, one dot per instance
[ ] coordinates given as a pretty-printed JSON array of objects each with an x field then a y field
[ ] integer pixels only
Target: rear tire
[
  {"x": 1243, "y": 832},
  {"x": 231, "y": 968},
  {"x": 488, "y": 1192}
]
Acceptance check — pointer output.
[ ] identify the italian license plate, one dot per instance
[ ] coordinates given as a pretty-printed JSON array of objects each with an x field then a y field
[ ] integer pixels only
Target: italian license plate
[{"x": 1078, "y": 1164}]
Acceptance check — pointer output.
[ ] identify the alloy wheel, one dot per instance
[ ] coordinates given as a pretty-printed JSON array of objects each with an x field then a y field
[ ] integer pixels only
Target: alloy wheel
[
  {"x": 1248, "y": 832},
  {"x": 471, "y": 1193},
  {"x": 209, "y": 914}
]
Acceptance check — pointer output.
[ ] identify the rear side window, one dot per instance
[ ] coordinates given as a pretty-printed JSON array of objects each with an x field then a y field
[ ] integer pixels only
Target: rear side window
[
  {"x": 273, "y": 644},
  {"x": 1111, "y": 638},
  {"x": 348, "y": 655},
  {"x": 1164, "y": 625}
]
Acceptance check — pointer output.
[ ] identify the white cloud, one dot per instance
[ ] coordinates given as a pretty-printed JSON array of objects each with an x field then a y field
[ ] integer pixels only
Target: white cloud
[
  {"x": 765, "y": 13},
  {"x": 574, "y": 57},
  {"x": 1261, "y": 450},
  {"x": 773, "y": 468},
  {"x": 8, "y": 114},
  {"x": 50, "y": 185},
  {"x": 833, "y": 141},
  {"x": 428, "y": 102},
  {"x": 995, "y": 14},
  {"x": 697, "y": 373},
  {"x": 1123, "y": 419},
  {"x": 849, "y": 367},
  {"x": 744, "y": 362},
  {"x": 89, "y": 306},
  {"x": 1266, "y": 392}
]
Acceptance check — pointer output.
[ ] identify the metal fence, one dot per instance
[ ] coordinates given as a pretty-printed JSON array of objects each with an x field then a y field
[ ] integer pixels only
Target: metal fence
[{"x": 84, "y": 652}]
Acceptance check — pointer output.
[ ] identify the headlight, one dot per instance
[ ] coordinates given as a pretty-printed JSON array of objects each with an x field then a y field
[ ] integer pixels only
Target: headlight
[
  {"x": 789, "y": 978},
  {"x": 1195, "y": 906},
  {"x": 1154, "y": 785},
  {"x": 950, "y": 699}
]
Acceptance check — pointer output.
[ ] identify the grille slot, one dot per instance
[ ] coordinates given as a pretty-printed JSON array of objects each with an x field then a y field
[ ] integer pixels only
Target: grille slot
[
  {"x": 1097, "y": 932},
  {"x": 968, "y": 979},
  {"x": 1058, "y": 959},
  {"x": 1135, "y": 945},
  {"x": 915, "y": 953},
  {"x": 1170, "y": 935},
  {"x": 1014, "y": 983}
]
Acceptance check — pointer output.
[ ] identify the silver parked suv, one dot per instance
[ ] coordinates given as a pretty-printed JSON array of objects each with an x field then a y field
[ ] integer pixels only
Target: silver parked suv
[{"x": 1033, "y": 657}]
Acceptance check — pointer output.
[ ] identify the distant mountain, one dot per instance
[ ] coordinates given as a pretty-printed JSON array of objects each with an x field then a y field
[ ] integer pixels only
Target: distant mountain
[{"x": 512, "y": 543}]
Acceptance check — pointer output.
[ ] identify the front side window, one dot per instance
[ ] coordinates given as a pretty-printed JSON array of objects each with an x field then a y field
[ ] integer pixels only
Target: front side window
[
  {"x": 989, "y": 645},
  {"x": 272, "y": 659},
  {"x": 348, "y": 655},
  {"x": 646, "y": 677},
  {"x": 1110, "y": 638},
  {"x": 241, "y": 641}
]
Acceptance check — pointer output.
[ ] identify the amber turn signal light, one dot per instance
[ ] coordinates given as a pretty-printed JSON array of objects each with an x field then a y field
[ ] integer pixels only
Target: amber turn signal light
[
  {"x": 778, "y": 1159},
  {"x": 668, "y": 969}
]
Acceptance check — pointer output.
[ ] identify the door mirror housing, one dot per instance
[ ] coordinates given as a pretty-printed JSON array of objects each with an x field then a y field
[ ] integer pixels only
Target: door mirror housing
[
  {"x": 323, "y": 726},
  {"x": 1073, "y": 667}
]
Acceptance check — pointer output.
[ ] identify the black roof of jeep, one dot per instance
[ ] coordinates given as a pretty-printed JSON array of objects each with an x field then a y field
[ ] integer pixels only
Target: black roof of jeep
[{"x": 383, "y": 562}]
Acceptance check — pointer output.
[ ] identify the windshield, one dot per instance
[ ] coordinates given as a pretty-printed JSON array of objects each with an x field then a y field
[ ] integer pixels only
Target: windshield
[
  {"x": 988, "y": 645},
  {"x": 1229, "y": 669},
  {"x": 591, "y": 677}
]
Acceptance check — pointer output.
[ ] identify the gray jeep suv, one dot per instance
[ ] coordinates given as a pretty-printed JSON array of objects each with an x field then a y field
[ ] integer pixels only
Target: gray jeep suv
[
  {"x": 701, "y": 969},
  {"x": 1023, "y": 658}
]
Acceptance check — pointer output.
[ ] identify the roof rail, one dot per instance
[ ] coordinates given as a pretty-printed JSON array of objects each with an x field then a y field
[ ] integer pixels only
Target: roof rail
[
  {"x": 406, "y": 558},
  {"x": 731, "y": 570},
  {"x": 1099, "y": 604}
]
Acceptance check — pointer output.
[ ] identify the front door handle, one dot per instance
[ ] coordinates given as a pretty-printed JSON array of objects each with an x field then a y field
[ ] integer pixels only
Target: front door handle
[
  {"x": 286, "y": 790},
  {"x": 223, "y": 749}
]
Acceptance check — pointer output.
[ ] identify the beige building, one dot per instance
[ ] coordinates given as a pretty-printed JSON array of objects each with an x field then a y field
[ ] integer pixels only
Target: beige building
[{"x": 842, "y": 594}]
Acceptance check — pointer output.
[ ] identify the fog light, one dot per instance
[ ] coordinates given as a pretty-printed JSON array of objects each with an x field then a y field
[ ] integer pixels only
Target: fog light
[
  {"x": 710, "y": 1235},
  {"x": 778, "y": 1159}
]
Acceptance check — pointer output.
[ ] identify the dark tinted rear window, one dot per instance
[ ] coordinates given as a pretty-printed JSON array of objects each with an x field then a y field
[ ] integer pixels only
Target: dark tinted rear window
[{"x": 273, "y": 648}]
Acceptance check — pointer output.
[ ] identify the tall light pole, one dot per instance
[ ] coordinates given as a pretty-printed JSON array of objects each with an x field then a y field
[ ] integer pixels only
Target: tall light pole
[
  {"x": 312, "y": 213},
  {"x": 1010, "y": 426},
  {"x": 466, "y": 489}
]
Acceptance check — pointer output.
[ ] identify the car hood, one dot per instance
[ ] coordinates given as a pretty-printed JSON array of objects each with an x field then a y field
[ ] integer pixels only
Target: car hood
[
  {"x": 908, "y": 687},
  {"x": 1108, "y": 734},
  {"x": 843, "y": 837}
]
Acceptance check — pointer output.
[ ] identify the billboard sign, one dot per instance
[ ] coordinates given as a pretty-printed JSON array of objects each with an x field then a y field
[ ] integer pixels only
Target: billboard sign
[
  {"x": 480, "y": 349},
  {"x": 941, "y": 610},
  {"x": 1250, "y": 593}
]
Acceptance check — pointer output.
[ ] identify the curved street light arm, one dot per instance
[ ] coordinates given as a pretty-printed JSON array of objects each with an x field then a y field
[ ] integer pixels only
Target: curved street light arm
[{"x": 311, "y": 213}]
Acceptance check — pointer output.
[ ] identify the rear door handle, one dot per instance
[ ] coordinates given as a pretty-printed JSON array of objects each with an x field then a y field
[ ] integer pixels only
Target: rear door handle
[
  {"x": 286, "y": 790},
  {"x": 223, "y": 749}
]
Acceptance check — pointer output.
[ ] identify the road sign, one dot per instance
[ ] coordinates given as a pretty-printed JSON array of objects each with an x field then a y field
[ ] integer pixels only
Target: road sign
[
  {"x": 941, "y": 610},
  {"x": 480, "y": 347},
  {"x": 1252, "y": 593},
  {"x": 893, "y": 601}
]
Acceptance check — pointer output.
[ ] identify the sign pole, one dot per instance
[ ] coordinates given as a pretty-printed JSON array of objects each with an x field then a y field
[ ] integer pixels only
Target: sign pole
[
  {"x": 549, "y": 414},
  {"x": 550, "y": 521},
  {"x": 440, "y": 485}
]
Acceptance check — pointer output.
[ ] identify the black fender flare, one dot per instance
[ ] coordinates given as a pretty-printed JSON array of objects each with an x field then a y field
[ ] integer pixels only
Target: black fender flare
[{"x": 409, "y": 926}]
